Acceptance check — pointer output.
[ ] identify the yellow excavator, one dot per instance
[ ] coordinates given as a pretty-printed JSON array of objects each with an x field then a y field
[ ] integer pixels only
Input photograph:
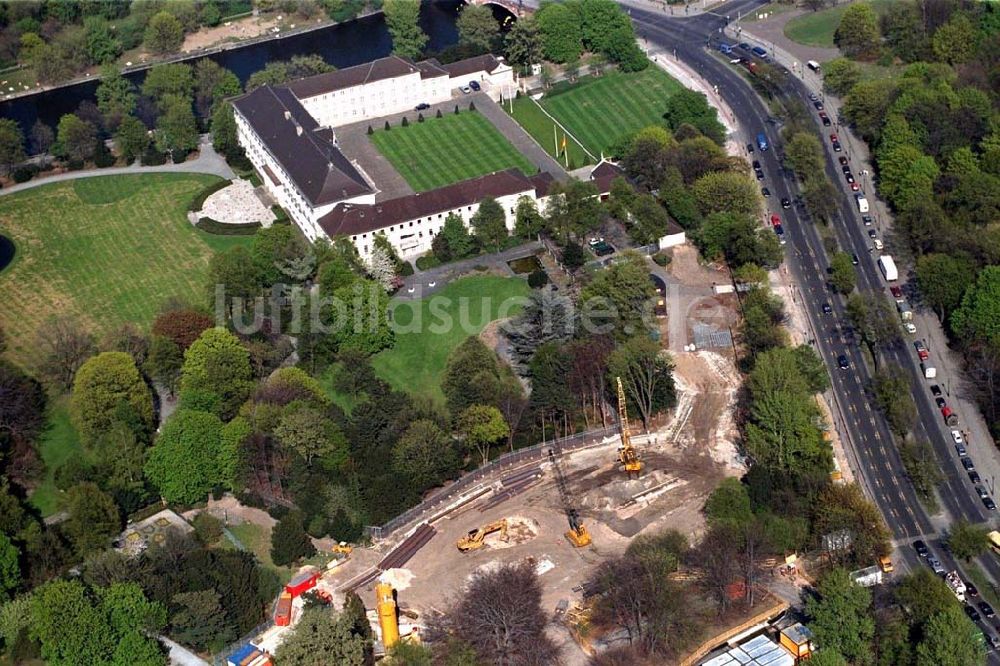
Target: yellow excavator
[
  {"x": 627, "y": 455},
  {"x": 577, "y": 534},
  {"x": 475, "y": 539}
]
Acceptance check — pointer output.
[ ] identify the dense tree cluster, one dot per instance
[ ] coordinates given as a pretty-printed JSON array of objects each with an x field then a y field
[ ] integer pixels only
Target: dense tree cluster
[{"x": 566, "y": 29}]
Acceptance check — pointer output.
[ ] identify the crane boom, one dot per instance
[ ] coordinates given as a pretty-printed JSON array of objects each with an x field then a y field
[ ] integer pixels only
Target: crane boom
[
  {"x": 627, "y": 455},
  {"x": 577, "y": 534}
]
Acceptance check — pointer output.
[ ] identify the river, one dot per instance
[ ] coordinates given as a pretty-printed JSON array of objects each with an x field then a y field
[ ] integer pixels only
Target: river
[{"x": 340, "y": 45}]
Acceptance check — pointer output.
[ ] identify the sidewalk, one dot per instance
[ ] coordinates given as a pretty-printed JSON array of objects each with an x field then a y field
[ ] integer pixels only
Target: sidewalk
[{"x": 208, "y": 161}]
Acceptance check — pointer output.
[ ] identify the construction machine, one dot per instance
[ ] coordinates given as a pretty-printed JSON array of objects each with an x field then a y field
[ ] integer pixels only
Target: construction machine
[
  {"x": 627, "y": 455},
  {"x": 475, "y": 539},
  {"x": 342, "y": 548},
  {"x": 577, "y": 534}
]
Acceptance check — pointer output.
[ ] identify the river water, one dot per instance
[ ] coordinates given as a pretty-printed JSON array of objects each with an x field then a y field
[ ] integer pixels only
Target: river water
[{"x": 341, "y": 45}]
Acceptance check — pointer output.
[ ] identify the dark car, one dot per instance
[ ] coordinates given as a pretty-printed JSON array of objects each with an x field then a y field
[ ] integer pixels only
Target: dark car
[
  {"x": 760, "y": 51},
  {"x": 972, "y": 613},
  {"x": 974, "y": 476},
  {"x": 872, "y": 234},
  {"x": 921, "y": 548},
  {"x": 848, "y": 175},
  {"x": 842, "y": 159},
  {"x": 854, "y": 260},
  {"x": 749, "y": 147},
  {"x": 971, "y": 590},
  {"x": 827, "y": 309},
  {"x": 474, "y": 85},
  {"x": 940, "y": 403},
  {"x": 756, "y": 164},
  {"x": 786, "y": 202},
  {"x": 825, "y": 119},
  {"x": 759, "y": 174},
  {"x": 766, "y": 192},
  {"x": 845, "y": 169},
  {"x": 836, "y": 147},
  {"x": 745, "y": 46},
  {"x": 843, "y": 362},
  {"x": 818, "y": 104},
  {"x": 989, "y": 504},
  {"x": 935, "y": 390},
  {"x": 968, "y": 464},
  {"x": 867, "y": 219},
  {"x": 985, "y": 609},
  {"x": 423, "y": 106}
]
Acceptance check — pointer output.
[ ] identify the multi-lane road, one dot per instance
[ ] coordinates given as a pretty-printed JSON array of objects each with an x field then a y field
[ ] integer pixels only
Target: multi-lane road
[{"x": 865, "y": 431}]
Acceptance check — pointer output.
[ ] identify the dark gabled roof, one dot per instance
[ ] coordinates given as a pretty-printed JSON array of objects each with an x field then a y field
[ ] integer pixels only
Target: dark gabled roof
[
  {"x": 376, "y": 70},
  {"x": 306, "y": 152},
  {"x": 353, "y": 219},
  {"x": 604, "y": 174},
  {"x": 430, "y": 68},
  {"x": 483, "y": 63}
]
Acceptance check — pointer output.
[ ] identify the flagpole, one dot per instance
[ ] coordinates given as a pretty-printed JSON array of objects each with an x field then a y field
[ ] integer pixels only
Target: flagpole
[
  {"x": 555, "y": 140},
  {"x": 565, "y": 151}
]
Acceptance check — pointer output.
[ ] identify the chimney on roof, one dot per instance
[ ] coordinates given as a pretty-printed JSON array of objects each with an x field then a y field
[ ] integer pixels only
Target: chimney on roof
[{"x": 288, "y": 114}]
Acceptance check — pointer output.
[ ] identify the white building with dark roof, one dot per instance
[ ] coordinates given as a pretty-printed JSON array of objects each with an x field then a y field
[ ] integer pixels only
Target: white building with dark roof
[{"x": 288, "y": 130}]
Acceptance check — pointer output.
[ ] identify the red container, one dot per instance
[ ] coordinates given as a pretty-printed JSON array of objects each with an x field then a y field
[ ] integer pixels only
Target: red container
[
  {"x": 302, "y": 583},
  {"x": 283, "y": 613}
]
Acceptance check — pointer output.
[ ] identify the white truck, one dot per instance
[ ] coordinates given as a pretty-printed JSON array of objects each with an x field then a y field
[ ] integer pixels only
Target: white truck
[
  {"x": 956, "y": 585},
  {"x": 888, "y": 268},
  {"x": 867, "y": 577},
  {"x": 862, "y": 202}
]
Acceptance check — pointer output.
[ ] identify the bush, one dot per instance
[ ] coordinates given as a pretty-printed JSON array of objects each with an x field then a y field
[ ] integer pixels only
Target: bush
[
  {"x": 370, "y": 130},
  {"x": 210, "y": 226},
  {"x": 103, "y": 157},
  {"x": 179, "y": 155},
  {"x": 24, "y": 174},
  {"x": 439, "y": 114},
  {"x": 405, "y": 123},
  {"x": 387, "y": 128},
  {"x": 427, "y": 261},
  {"x": 280, "y": 216},
  {"x": 74, "y": 165},
  {"x": 456, "y": 109},
  {"x": 207, "y": 528},
  {"x": 199, "y": 200},
  {"x": 420, "y": 117},
  {"x": 472, "y": 106},
  {"x": 405, "y": 269},
  {"x": 239, "y": 162},
  {"x": 153, "y": 157},
  {"x": 661, "y": 259},
  {"x": 538, "y": 278}
]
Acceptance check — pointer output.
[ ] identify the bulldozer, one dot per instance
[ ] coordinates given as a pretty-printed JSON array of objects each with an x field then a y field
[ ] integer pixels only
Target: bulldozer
[
  {"x": 627, "y": 455},
  {"x": 476, "y": 538}
]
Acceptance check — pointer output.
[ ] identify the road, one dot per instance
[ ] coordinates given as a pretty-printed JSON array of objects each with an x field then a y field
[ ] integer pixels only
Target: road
[{"x": 865, "y": 429}]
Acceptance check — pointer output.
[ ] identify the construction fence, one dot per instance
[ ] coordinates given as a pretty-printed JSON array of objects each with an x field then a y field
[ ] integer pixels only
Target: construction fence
[{"x": 536, "y": 453}]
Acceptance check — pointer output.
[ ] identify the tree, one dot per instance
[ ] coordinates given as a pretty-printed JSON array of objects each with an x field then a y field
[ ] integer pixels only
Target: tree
[
  {"x": 501, "y": 618},
  {"x": 805, "y": 154},
  {"x": 115, "y": 96},
  {"x": 453, "y": 241},
  {"x": 42, "y": 138},
  {"x": 560, "y": 27},
  {"x": 289, "y": 541},
  {"x": 729, "y": 505},
  {"x": 619, "y": 299},
  {"x": 381, "y": 267},
  {"x": 93, "y": 519},
  {"x": 477, "y": 27},
  {"x": 108, "y": 390},
  {"x": 11, "y": 143},
  {"x": 727, "y": 191},
  {"x": 164, "y": 33},
  {"x": 955, "y": 41},
  {"x": 184, "y": 461},
  {"x": 821, "y": 198},
  {"x": 692, "y": 107},
  {"x": 846, "y": 508},
  {"x": 163, "y": 363},
  {"x": 212, "y": 84},
  {"x": 131, "y": 139},
  {"x": 646, "y": 374},
  {"x": 281, "y": 71},
  {"x": 978, "y": 316},
  {"x": 523, "y": 44},
  {"x": 841, "y": 617},
  {"x": 950, "y": 639},
  {"x": 181, "y": 325},
  {"x": 216, "y": 373},
  {"x": 942, "y": 280},
  {"x": 423, "y": 455},
  {"x": 840, "y": 75},
  {"x": 76, "y": 138},
  {"x": 739, "y": 239},
  {"x": 62, "y": 347},
  {"x": 547, "y": 316},
  {"x": 10, "y": 569},
  {"x": 162, "y": 81},
  {"x": 865, "y": 106},
  {"x": 490, "y": 222},
  {"x": 967, "y": 540},
  {"x": 482, "y": 426},
  {"x": 323, "y": 637},
  {"x": 858, "y": 36},
  {"x": 364, "y": 326},
  {"x": 101, "y": 44},
  {"x": 223, "y": 127},
  {"x": 842, "y": 275},
  {"x": 401, "y": 16},
  {"x": 474, "y": 375},
  {"x": 528, "y": 222},
  {"x": 876, "y": 320},
  {"x": 22, "y": 409},
  {"x": 199, "y": 618},
  {"x": 893, "y": 397},
  {"x": 279, "y": 253},
  {"x": 176, "y": 128},
  {"x": 309, "y": 433}
]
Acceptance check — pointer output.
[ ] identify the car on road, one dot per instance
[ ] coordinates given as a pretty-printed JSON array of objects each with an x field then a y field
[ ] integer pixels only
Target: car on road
[
  {"x": 786, "y": 202},
  {"x": 982, "y": 492},
  {"x": 827, "y": 309},
  {"x": 465, "y": 90},
  {"x": 756, "y": 164},
  {"x": 921, "y": 548},
  {"x": 423, "y": 106},
  {"x": 843, "y": 363},
  {"x": 766, "y": 192},
  {"x": 775, "y": 220},
  {"x": 960, "y": 450},
  {"x": 749, "y": 147},
  {"x": 759, "y": 174},
  {"x": 921, "y": 350},
  {"x": 936, "y": 565},
  {"x": 872, "y": 234},
  {"x": 848, "y": 176},
  {"x": 897, "y": 292},
  {"x": 843, "y": 160},
  {"x": 878, "y": 244},
  {"x": 972, "y": 613},
  {"x": 974, "y": 477},
  {"x": 854, "y": 259},
  {"x": 956, "y": 435},
  {"x": 867, "y": 219},
  {"x": 818, "y": 104},
  {"x": 968, "y": 464},
  {"x": 909, "y": 327},
  {"x": 936, "y": 391},
  {"x": 940, "y": 402},
  {"x": 971, "y": 590},
  {"x": 989, "y": 504},
  {"x": 825, "y": 119},
  {"x": 745, "y": 46},
  {"x": 475, "y": 85}
]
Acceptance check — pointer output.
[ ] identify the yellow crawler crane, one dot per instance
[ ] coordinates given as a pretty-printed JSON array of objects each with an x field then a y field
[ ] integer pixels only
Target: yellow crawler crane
[
  {"x": 475, "y": 539},
  {"x": 627, "y": 455},
  {"x": 577, "y": 534}
]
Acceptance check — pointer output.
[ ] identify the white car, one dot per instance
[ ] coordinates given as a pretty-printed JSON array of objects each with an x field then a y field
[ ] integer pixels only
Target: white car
[
  {"x": 465, "y": 90},
  {"x": 410, "y": 290},
  {"x": 957, "y": 437},
  {"x": 910, "y": 328},
  {"x": 432, "y": 284},
  {"x": 878, "y": 243}
]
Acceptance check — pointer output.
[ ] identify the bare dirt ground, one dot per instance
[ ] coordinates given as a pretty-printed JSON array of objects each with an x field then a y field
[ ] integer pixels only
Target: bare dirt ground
[
  {"x": 230, "y": 31},
  {"x": 687, "y": 268}
]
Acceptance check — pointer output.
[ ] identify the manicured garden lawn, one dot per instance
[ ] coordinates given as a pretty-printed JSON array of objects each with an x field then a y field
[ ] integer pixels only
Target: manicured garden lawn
[
  {"x": 257, "y": 539},
  {"x": 441, "y": 151},
  {"x": 818, "y": 28},
  {"x": 58, "y": 444},
  {"x": 600, "y": 110},
  {"x": 534, "y": 121},
  {"x": 417, "y": 361},
  {"x": 104, "y": 250}
]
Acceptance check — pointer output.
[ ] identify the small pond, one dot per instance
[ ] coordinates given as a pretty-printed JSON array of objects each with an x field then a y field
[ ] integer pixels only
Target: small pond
[
  {"x": 7, "y": 250},
  {"x": 525, "y": 265}
]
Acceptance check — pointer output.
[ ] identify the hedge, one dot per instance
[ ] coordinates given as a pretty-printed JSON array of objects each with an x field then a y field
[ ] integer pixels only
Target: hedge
[
  {"x": 199, "y": 200},
  {"x": 427, "y": 261},
  {"x": 208, "y": 225}
]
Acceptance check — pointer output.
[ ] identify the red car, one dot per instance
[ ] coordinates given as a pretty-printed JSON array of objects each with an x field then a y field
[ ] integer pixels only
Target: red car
[
  {"x": 833, "y": 137},
  {"x": 896, "y": 292},
  {"x": 775, "y": 220},
  {"x": 855, "y": 187}
]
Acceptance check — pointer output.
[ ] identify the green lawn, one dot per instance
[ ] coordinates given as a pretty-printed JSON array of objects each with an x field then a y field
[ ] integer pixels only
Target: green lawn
[
  {"x": 58, "y": 444},
  {"x": 257, "y": 539},
  {"x": 441, "y": 151},
  {"x": 345, "y": 401},
  {"x": 530, "y": 116},
  {"x": 416, "y": 362},
  {"x": 817, "y": 28},
  {"x": 105, "y": 250},
  {"x": 600, "y": 110}
]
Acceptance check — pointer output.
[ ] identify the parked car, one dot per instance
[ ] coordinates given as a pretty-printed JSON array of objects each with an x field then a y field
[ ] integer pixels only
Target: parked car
[
  {"x": 956, "y": 435},
  {"x": 843, "y": 362},
  {"x": 909, "y": 327},
  {"x": 423, "y": 106},
  {"x": 921, "y": 350},
  {"x": 827, "y": 309},
  {"x": 759, "y": 174},
  {"x": 986, "y": 609},
  {"x": 936, "y": 391},
  {"x": 825, "y": 119},
  {"x": 968, "y": 464},
  {"x": 936, "y": 565},
  {"x": 921, "y": 548},
  {"x": 972, "y": 613},
  {"x": 971, "y": 590},
  {"x": 878, "y": 244},
  {"x": 745, "y": 46},
  {"x": 843, "y": 160},
  {"x": 867, "y": 219},
  {"x": 749, "y": 147},
  {"x": 855, "y": 187},
  {"x": 872, "y": 234},
  {"x": 974, "y": 477},
  {"x": 940, "y": 402},
  {"x": 786, "y": 202},
  {"x": 766, "y": 192},
  {"x": 854, "y": 259},
  {"x": 756, "y": 164},
  {"x": 960, "y": 450},
  {"x": 818, "y": 104},
  {"x": 465, "y": 90},
  {"x": 845, "y": 169},
  {"x": 897, "y": 292},
  {"x": 848, "y": 176},
  {"x": 982, "y": 492},
  {"x": 989, "y": 504},
  {"x": 475, "y": 85}
]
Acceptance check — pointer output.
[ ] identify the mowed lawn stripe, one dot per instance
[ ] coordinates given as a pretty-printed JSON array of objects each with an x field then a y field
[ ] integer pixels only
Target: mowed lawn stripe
[
  {"x": 441, "y": 151},
  {"x": 599, "y": 111}
]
